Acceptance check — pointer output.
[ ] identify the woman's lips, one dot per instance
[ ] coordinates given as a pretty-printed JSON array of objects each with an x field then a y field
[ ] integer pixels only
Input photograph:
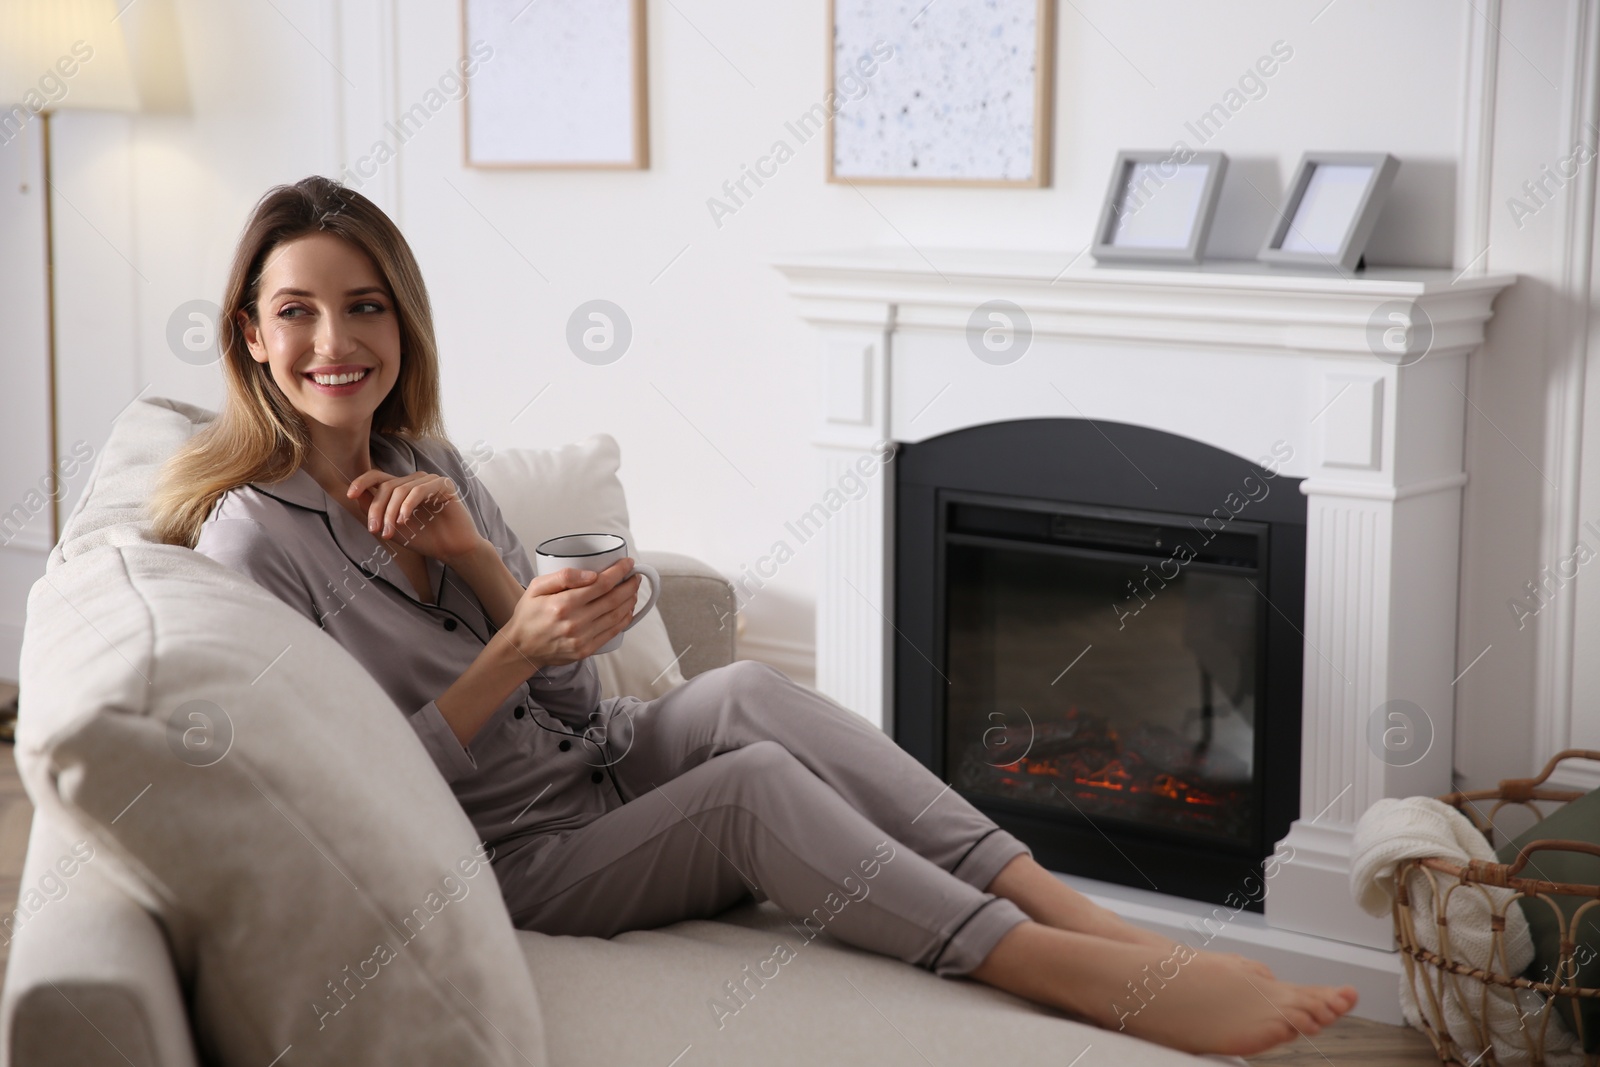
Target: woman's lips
[{"x": 338, "y": 381}]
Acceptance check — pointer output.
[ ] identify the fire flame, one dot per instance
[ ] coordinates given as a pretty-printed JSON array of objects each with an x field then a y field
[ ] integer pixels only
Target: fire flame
[{"x": 1099, "y": 763}]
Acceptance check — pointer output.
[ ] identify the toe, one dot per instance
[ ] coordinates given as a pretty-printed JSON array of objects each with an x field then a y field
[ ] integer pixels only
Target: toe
[
  {"x": 1321, "y": 1011},
  {"x": 1303, "y": 1021},
  {"x": 1339, "y": 1000}
]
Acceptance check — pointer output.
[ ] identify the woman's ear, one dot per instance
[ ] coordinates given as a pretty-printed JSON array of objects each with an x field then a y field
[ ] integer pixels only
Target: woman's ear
[{"x": 252, "y": 338}]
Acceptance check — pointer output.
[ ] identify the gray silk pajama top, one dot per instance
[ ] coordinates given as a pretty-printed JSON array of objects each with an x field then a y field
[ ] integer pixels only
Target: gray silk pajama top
[{"x": 530, "y": 770}]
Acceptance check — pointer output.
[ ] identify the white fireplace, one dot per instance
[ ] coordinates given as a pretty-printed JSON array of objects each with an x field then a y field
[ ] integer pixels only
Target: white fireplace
[{"x": 1356, "y": 383}]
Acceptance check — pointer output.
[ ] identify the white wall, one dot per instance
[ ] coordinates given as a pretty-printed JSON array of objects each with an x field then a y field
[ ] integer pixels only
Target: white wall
[
  {"x": 23, "y": 430},
  {"x": 715, "y": 335},
  {"x": 713, "y": 403}
]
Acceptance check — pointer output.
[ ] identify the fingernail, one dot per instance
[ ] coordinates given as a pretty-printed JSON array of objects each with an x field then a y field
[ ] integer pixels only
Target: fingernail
[{"x": 586, "y": 574}]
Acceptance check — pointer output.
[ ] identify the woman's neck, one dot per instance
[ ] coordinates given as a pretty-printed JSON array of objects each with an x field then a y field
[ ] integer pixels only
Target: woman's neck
[{"x": 338, "y": 455}]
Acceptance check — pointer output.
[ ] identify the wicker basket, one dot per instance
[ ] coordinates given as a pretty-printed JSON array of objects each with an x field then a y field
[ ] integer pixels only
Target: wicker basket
[{"x": 1432, "y": 973}]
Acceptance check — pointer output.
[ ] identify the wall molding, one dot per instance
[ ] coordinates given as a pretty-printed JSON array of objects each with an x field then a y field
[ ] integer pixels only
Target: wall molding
[
  {"x": 1474, "y": 201},
  {"x": 1568, "y": 357},
  {"x": 33, "y": 539},
  {"x": 365, "y": 36}
]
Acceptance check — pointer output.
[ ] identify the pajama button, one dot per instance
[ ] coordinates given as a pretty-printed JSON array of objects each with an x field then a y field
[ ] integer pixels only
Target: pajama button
[
  {"x": 597, "y": 777},
  {"x": 565, "y": 745},
  {"x": 520, "y": 712},
  {"x": 449, "y": 624}
]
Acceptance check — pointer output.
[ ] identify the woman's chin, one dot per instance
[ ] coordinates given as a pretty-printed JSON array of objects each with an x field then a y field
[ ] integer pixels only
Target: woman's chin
[{"x": 339, "y": 414}]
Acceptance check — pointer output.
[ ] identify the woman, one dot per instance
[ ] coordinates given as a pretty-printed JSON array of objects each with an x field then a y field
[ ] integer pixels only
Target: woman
[{"x": 326, "y": 478}]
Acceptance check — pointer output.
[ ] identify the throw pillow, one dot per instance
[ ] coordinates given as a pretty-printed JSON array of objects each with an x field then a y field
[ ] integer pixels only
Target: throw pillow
[
  {"x": 544, "y": 493},
  {"x": 1578, "y": 820}
]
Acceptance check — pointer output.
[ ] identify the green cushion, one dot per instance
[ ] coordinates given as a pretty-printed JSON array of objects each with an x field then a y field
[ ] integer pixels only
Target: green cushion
[{"x": 1578, "y": 820}]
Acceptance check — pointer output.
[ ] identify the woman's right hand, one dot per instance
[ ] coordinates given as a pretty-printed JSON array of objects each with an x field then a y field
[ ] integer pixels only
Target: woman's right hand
[{"x": 564, "y": 617}]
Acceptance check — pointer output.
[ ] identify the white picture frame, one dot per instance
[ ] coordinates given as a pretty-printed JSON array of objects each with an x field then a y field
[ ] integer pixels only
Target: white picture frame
[
  {"x": 563, "y": 85},
  {"x": 1158, "y": 207},
  {"x": 1330, "y": 210},
  {"x": 919, "y": 119}
]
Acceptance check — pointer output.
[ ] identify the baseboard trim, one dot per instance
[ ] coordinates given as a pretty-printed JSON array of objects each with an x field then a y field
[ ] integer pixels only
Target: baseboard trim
[{"x": 10, "y": 651}]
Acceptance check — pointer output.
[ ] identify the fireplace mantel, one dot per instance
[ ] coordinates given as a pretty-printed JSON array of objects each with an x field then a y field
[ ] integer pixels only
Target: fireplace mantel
[
  {"x": 1234, "y": 304},
  {"x": 1355, "y": 383}
]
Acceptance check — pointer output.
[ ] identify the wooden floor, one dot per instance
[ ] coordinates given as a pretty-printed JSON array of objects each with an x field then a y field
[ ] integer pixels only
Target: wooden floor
[
  {"x": 1355, "y": 1043},
  {"x": 15, "y": 815},
  {"x": 1349, "y": 1043}
]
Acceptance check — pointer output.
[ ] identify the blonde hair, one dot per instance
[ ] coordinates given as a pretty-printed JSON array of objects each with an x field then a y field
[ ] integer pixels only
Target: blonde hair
[{"x": 259, "y": 435}]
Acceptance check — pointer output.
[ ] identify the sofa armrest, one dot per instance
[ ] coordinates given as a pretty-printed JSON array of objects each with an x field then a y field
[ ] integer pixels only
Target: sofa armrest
[
  {"x": 90, "y": 980},
  {"x": 698, "y": 606}
]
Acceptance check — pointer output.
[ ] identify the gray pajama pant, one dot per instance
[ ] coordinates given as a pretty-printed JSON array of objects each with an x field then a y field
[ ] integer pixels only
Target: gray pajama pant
[{"x": 742, "y": 783}]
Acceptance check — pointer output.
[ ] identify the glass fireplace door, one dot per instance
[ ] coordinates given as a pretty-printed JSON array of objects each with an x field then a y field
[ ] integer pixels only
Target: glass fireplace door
[{"x": 1106, "y": 664}]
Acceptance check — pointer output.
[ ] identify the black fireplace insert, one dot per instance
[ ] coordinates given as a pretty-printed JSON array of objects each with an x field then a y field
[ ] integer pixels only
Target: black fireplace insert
[{"x": 1098, "y": 644}]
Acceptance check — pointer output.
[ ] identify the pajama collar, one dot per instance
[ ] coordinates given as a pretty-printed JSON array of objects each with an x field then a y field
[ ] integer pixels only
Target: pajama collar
[{"x": 391, "y": 454}]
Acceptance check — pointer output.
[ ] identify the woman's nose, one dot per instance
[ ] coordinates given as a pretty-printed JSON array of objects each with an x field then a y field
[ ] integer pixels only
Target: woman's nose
[{"x": 333, "y": 336}]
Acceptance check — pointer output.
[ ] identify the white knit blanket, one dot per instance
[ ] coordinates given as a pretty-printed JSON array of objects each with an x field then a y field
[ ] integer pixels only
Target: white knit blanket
[{"x": 1417, "y": 827}]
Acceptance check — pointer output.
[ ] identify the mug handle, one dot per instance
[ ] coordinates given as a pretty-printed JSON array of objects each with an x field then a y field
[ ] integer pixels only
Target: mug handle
[{"x": 655, "y": 593}]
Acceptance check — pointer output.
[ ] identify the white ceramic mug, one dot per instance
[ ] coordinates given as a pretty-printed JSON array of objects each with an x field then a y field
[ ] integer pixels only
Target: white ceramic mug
[{"x": 595, "y": 552}]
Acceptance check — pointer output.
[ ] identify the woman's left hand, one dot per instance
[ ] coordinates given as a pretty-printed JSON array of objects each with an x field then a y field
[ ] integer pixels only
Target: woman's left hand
[{"x": 421, "y": 511}]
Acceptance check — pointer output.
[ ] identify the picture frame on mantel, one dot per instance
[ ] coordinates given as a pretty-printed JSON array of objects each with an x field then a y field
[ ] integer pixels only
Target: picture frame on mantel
[
  {"x": 1330, "y": 210},
  {"x": 1158, "y": 208},
  {"x": 555, "y": 85},
  {"x": 903, "y": 113}
]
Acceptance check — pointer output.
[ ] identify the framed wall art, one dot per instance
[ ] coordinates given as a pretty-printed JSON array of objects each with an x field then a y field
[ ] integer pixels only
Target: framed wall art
[
  {"x": 951, "y": 93},
  {"x": 557, "y": 84}
]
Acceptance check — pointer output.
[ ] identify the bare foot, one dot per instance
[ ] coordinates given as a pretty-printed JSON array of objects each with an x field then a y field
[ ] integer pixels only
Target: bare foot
[
  {"x": 1223, "y": 1004},
  {"x": 1199, "y": 1002}
]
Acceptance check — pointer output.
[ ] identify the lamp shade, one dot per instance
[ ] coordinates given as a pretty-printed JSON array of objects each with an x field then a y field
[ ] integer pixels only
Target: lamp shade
[{"x": 60, "y": 54}]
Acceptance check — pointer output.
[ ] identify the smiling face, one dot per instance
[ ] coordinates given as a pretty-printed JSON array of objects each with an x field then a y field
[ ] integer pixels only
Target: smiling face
[{"x": 328, "y": 330}]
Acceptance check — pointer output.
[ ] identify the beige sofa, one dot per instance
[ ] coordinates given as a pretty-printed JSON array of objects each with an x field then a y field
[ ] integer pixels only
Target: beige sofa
[{"x": 179, "y": 908}]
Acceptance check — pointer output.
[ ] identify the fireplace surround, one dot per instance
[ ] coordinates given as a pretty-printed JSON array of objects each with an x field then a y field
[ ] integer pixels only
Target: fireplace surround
[
  {"x": 1363, "y": 376},
  {"x": 1098, "y": 645}
]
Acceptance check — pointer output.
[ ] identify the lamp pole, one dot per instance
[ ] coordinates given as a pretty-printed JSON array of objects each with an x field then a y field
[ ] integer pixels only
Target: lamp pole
[{"x": 50, "y": 325}]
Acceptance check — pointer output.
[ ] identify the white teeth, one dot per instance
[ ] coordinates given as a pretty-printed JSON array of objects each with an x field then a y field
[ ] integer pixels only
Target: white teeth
[{"x": 338, "y": 379}]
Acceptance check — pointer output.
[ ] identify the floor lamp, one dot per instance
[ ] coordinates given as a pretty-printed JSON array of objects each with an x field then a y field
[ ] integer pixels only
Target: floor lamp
[{"x": 58, "y": 55}]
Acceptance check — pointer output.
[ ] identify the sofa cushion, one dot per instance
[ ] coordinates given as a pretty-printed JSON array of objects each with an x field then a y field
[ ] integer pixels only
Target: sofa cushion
[
  {"x": 749, "y": 988},
  {"x": 544, "y": 493},
  {"x": 247, "y": 781}
]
